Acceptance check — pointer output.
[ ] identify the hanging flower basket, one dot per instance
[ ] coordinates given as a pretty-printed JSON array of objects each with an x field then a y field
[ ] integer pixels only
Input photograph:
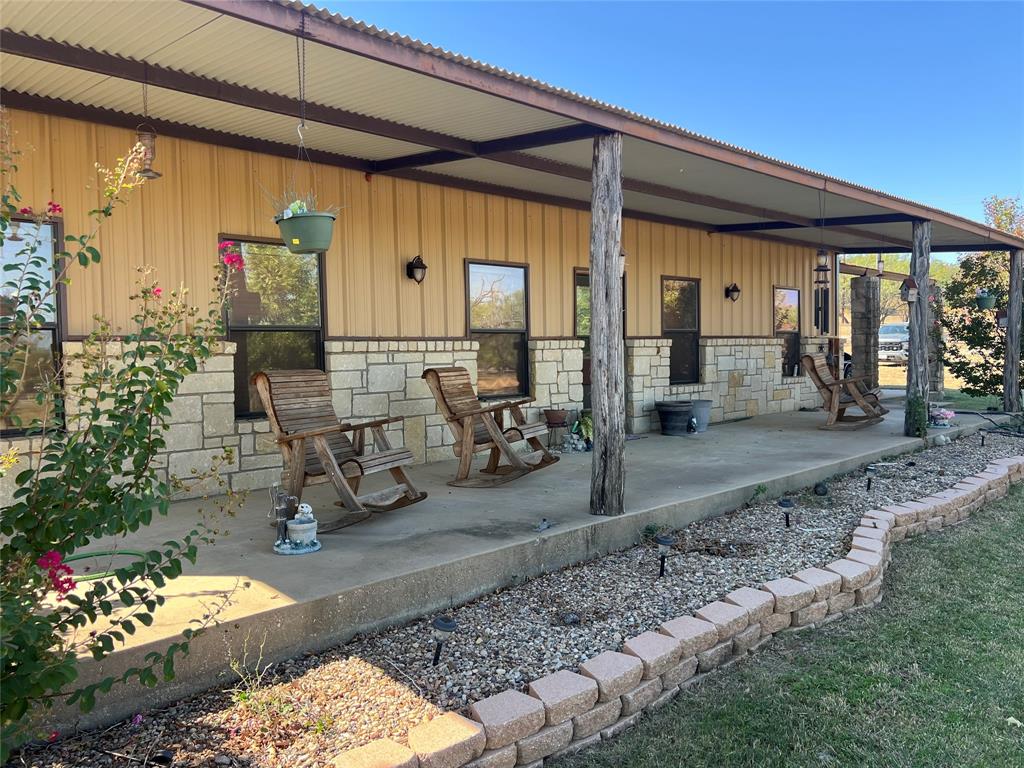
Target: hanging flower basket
[
  {"x": 985, "y": 301},
  {"x": 308, "y": 232}
]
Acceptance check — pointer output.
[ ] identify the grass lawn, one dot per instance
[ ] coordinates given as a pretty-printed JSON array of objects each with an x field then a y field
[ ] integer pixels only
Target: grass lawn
[{"x": 927, "y": 678}]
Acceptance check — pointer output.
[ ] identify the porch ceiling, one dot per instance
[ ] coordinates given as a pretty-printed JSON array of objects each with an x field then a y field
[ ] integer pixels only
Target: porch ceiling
[{"x": 229, "y": 67}]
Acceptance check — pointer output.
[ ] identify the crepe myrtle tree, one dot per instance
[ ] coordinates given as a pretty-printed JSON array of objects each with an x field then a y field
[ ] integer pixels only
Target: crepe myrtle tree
[
  {"x": 975, "y": 344},
  {"x": 85, "y": 468}
]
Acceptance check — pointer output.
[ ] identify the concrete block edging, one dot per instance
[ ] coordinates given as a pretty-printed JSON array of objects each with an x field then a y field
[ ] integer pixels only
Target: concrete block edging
[{"x": 860, "y": 588}]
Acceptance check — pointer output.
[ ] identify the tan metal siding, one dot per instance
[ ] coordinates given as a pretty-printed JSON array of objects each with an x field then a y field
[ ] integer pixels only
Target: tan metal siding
[{"x": 174, "y": 223}]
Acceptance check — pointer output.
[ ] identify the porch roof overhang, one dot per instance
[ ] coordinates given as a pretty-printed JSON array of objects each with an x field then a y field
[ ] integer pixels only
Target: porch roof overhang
[{"x": 224, "y": 71}]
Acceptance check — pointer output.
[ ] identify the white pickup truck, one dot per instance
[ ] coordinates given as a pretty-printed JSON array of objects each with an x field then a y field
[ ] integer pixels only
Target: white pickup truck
[{"x": 893, "y": 343}]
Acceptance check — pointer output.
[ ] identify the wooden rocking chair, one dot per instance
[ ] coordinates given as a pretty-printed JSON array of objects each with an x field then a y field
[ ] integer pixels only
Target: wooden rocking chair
[
  {"x": 840, "y": 394},
  {"x": 316, "y": 448},
  {"x": 478, "y": 427}
]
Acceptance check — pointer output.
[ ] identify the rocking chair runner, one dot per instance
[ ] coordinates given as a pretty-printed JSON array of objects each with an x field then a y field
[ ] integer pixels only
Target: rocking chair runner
[
  {"x": 840, "y": 394},
  {"x": 478, "y": 427},
  {"x": 316, "y": 448}
]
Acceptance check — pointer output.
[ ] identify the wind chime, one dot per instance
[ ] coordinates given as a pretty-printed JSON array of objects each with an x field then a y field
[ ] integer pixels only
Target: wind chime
[{"x": 822, "y": 289}]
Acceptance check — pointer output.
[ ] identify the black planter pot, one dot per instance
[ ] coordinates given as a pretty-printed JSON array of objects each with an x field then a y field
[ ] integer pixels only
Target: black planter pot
[{"x": 674, "y": 416}]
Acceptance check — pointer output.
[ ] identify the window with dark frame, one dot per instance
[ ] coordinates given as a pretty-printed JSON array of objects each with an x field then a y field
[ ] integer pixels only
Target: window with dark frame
[
  {"x": 786, "y": 322},
  {"x": 44, "y": 342},
  {"x": 680, "y": 322},
  {"x": 274, "y": 315},
  {"x": 497, "y": 312}
]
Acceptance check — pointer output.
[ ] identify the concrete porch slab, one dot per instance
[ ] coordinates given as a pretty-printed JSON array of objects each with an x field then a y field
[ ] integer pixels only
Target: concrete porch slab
[{"x": 460, "y": 543}]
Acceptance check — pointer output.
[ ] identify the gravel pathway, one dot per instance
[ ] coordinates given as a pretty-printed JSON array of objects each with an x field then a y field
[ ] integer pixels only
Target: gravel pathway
[{"x": 305, "y": 711}]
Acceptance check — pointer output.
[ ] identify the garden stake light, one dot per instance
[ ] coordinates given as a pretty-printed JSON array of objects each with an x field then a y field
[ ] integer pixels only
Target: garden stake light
[
  {"x": 871, "y": 470},
  {"x": 442, "y": 628},
  {"x": 665, "y": 544},
  {"x": 786, "y": 505}
]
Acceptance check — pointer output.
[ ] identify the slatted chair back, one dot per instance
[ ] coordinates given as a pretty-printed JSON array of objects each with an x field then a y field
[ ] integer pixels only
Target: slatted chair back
[
  {"x": 817, "y": 368},
  {"x": 299, "y": 401},
  {"x": 453, "y": 390}
]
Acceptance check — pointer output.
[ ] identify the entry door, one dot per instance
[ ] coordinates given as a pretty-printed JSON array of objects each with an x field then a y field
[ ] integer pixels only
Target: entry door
[{"x": 581, "y": 322}]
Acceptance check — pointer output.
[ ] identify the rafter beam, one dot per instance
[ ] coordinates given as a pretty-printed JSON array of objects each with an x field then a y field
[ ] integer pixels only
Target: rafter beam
[
  {"x": 61, "y": 108},
  {"x": 834, "y": 221},
  {"x": 522, "y": 141},
  {"x": 197, "y": 85}
]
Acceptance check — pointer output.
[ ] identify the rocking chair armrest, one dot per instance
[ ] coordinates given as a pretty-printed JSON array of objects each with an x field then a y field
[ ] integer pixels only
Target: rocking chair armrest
[
  {"x": 315, "y": 433},
  {"x": 500, "y": 406},
  {"x": 374, "y": 423}
]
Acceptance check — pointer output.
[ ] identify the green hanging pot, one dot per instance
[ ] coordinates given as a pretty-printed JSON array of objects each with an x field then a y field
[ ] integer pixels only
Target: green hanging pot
[
  {"x": 307, "y": 232},
  {"x": 985, "y": 302}
]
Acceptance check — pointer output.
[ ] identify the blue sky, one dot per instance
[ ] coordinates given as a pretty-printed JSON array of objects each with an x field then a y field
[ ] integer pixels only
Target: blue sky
[{"x": 923, "y": 100}]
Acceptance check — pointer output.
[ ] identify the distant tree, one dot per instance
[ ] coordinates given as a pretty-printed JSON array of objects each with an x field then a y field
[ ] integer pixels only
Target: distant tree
[
  {"x": 975, "y": 347},
  {"x": 891, "y": 305}
]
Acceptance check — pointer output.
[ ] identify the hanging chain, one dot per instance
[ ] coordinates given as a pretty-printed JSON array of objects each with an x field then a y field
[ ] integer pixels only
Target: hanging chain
[
  {"x": 145, "y": 90},
  {"x": 300, "y": 62}
]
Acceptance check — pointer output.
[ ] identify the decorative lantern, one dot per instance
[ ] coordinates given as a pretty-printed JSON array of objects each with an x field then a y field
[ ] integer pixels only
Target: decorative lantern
[
  {"x": 1002, "y": 318},
  {"x": 145, "y": 135},
  {"x": 416, "y": 270},
  {"x": 732, "y": 292},
  {"x": 880, "y": 266},
  {"x": 821, "y": 269},
  {"x": 786, "y": 505},
  {"x": 908, "y": 290}
]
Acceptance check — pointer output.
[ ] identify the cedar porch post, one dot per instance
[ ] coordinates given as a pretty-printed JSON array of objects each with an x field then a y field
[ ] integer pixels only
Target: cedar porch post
[
  {"x": 607, "y": 372},
  {"x": 917, "y": 363},
  {"x": 1011, "y": 367}
]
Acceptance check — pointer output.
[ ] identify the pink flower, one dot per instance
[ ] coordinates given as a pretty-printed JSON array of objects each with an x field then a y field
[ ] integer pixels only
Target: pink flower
[
  {"x": 52, "y": 737},
  {"x": 226, "y": 244},
  {"x": 54, "y": 208},
  {"x": 234, "y": 261},
  {"x": 26, "y": 211},
  {"x": 137, "y": 719},
  {"x": 158, "y": 292},
  {"x": 58, "y": 572}
]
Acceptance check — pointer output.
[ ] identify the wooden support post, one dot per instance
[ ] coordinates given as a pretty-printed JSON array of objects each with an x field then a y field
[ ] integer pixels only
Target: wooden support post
[
  {"x": 1011, "y": 367},
  {"x": 914, "y": 422},
  {"x": 607, "y": 391}
]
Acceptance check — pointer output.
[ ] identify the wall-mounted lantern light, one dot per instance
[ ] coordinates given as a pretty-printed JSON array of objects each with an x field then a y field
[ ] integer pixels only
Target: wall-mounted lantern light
[
  {"x": 732, "y": 292},
  {"x": 416, "y": 270},
  {"x": 145, "y": 135},
  {"x": 908, "y": 290}
]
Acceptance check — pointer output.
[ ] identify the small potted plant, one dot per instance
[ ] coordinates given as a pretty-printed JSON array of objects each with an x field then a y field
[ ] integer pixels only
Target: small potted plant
[
  {"x": 304, "y": 228},
  {"x": 939, "y": 417},
  {"x": 985, "y": 299}
]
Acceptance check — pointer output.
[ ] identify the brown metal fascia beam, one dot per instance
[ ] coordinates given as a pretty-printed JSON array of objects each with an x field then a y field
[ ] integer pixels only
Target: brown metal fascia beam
[
  {"x": 197, "y": 85},
  {"x": 284, "y": 18},
  {"x": 858, "y": 271}
]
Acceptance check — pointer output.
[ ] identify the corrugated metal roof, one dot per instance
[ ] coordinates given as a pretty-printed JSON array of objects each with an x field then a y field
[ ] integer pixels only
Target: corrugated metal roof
[{"x": 181, "y": 36}]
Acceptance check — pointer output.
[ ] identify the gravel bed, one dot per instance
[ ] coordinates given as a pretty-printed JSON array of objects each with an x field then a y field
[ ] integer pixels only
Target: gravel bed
[{"x": 305, "y": 711}]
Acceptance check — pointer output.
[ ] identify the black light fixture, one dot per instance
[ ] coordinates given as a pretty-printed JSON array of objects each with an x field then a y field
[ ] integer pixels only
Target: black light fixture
[
  {"x": 665, "y": 544},
  {"x": 785, "y": 505},
  {"x": 732, "y": 292},
  {"x": 416, "y": 270},
  {"x": 441, "y": 628},
  {"x": 870, "y": 470}
]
